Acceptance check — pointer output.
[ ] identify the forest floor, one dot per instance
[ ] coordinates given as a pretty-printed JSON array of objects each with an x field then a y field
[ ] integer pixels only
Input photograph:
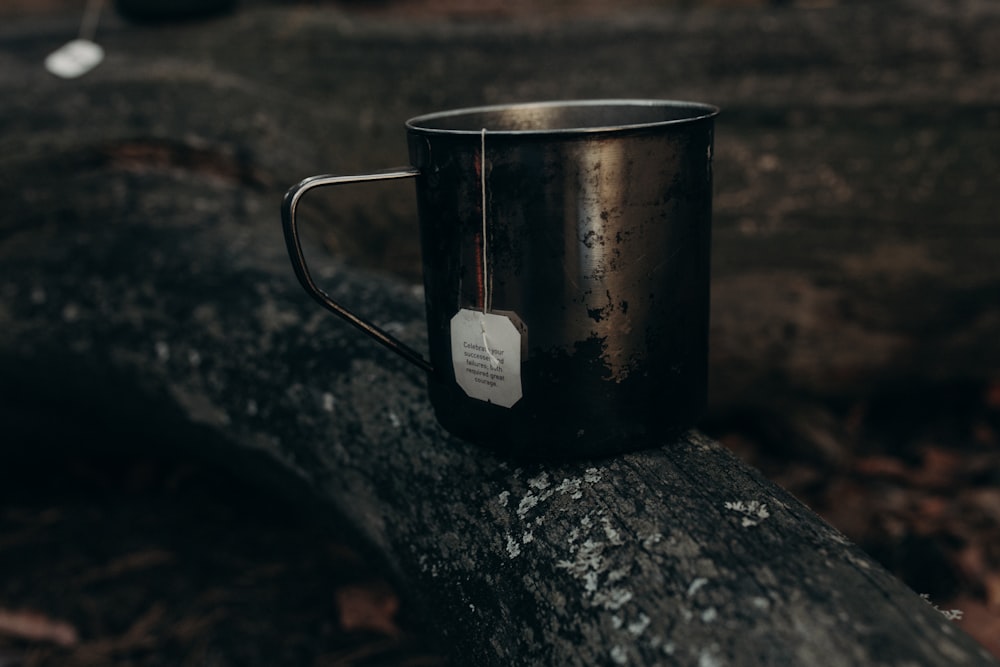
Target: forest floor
[{"x": 118, "y": 561}]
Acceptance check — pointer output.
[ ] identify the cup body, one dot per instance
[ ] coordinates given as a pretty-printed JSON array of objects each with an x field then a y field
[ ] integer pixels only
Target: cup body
[{"x": 597, "y": 238}]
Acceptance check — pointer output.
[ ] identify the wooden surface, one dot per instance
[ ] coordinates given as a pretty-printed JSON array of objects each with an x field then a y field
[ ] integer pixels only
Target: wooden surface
[{"x": 143, "y": 285}]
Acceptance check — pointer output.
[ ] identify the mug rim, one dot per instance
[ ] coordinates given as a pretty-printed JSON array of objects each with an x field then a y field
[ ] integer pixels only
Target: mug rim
[{"x": 700, "y": 111}]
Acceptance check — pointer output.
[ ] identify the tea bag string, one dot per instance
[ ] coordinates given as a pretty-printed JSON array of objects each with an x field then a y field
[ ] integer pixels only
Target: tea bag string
[
  {"x": 91, "y": 15},
  {"x": 487, "y": 306},
  {"x": 482, "y": 192}
]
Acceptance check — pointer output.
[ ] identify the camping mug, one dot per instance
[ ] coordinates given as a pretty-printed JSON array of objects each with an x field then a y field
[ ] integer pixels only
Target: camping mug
[{"x": 565, "y": 252}]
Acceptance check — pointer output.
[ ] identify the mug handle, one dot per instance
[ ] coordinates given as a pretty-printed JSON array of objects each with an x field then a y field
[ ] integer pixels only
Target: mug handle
[{"x": 289, "y": 223}]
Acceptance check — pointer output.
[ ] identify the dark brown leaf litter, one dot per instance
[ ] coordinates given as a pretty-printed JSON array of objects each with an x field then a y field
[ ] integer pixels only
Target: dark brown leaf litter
[
  {"x": 140, "y": 562},
  {"x": 913, "y": 477}
]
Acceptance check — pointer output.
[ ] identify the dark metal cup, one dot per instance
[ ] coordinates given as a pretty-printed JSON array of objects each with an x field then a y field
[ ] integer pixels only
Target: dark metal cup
[{"x": 588, "y": 225}]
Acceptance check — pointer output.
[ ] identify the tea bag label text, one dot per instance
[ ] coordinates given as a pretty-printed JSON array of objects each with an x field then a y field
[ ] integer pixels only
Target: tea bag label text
[{"x": 486, "y": 356}]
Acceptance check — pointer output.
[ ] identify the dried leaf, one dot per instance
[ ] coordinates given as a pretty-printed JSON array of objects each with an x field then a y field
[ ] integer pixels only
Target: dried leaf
[
  {"x": 368, "y": 606},
  {"x": 941, "y": 467},
  {"x": 991, "y": 583},
  {"x": 882, "y": 466},
  {"x": 992, "y": 397},
  {"x": 985, "y": 502},
  {"x": 140, "y": 635},
  {"x": 189, "y": 628},
  {"x": 979, "y": 622},
  {"x": 984, "y": 434},
  {"x": 971, "y": 562},
  {"x": 847, "y": 506},
  {"x": 931, "y": 514},
  {"x": 35, "y": 626},
  {"x": 130, "y": 562}
]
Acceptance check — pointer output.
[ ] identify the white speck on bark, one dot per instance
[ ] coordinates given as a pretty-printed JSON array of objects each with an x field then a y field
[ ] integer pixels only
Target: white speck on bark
[
  {"x": 328, "y": 402},
  {"x": 571, "y": 487},
  {"x": 541, "y": 482},
  {"x": 636, "y": 628},
  {"x": 708, "y": 659},
  {"x": 591, "y": 566},
  {"x": 619, "y": 655},
  {"x": 162, "y": 351},
  {"x": 588, "y": 557},
  {"x": 709, "y": 615},
  {"x": 614, "y": 537},
  {"x": 859, "y": 562},
  {"x": 612, "y": 599},
  {"x": 590, "y": 580},
  {"x": 696, "y": 586},
  {"x": 527, "y": 502},
  {"x": 753, "y": 511},
  {"x": 503, "y": 498},
  {"x": 394, "y": 419},
  {"x": 617, "y": 575},
  {"x": 950, "y": 614},
  {"x": 513, "y": 548},
  {"x": 650, "y": 540},
  {"x": 592, "y": 475}
]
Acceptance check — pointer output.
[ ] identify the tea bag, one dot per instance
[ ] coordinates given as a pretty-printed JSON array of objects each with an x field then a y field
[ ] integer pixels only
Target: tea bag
[
  {"x": 80, "y": 55},
  {"x": 486, "y": 346},
  {"x": 486, "y": 356}
]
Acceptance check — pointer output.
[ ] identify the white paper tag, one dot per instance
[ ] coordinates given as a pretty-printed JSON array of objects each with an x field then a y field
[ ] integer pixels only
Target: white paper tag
[
  {"x": 486, "y": 356},
  {"x": 74, "y": 58}
]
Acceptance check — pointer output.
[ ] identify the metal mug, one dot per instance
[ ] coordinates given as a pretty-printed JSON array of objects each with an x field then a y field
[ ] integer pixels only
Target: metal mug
[{"x": 583, "y": 230}]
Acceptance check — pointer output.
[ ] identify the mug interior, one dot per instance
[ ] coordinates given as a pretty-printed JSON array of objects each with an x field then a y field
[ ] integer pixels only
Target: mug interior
[{"x": 549, "y": 117}]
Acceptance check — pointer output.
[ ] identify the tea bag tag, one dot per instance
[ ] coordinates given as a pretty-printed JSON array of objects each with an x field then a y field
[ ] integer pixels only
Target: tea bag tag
[
  {"x": 77, "y": 57},
  {"x": 486, "y": 356},
  {"x": 74, "y": 59}
]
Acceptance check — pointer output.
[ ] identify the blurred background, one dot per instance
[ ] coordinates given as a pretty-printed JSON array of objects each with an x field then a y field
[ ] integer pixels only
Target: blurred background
[{"x": 856, "y": 281}]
